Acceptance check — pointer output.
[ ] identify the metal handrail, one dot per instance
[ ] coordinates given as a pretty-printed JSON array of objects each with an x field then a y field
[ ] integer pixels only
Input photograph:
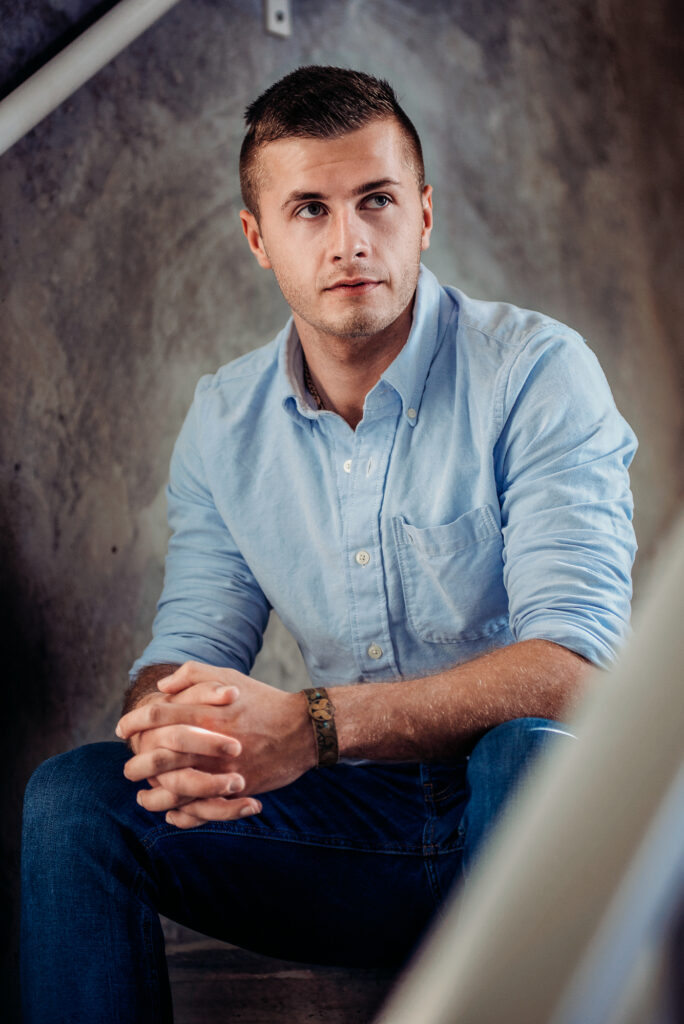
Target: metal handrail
[{"x": 39, "y": 95}]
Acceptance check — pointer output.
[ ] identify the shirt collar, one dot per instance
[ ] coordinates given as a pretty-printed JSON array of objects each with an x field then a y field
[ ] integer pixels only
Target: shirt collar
[
  {"x": 407, "y": 374},
  {"x": 294, "y": 396}
]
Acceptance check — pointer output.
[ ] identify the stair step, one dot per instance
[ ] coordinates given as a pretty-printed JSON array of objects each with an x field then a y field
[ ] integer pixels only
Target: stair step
[{"x": 212, "y": 983}]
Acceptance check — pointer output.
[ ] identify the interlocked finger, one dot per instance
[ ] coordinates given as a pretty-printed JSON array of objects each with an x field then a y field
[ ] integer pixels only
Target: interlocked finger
[
  {"x": 190, "y": 782},
  {"x": 183, "y": 820},
  {"x": 157, "y": 714},
  {"x": 192, "y": 739},
  {"x": 207, "y": 692},
  {"x": 154, "y": 762},
  {"x": 176, "y": 791},
  {"x": 193, "y": 672},
  {"x": 214, "y": 810},
  {"x": 161, "y": 799}
]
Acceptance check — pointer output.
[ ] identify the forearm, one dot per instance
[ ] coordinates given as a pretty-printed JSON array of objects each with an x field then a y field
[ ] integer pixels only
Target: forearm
[
  {"x": 145, "y": 685},
  {"x": 442, "y": 716},
  {"x": 205, "y": 712}
]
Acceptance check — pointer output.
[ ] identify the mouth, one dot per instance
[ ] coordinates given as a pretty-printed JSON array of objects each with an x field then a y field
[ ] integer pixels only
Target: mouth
[{"x": 353, "y": 286}]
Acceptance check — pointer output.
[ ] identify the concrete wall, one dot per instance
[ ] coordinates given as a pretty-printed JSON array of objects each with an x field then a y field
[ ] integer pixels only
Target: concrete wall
[{"x": 550, "y": 137}]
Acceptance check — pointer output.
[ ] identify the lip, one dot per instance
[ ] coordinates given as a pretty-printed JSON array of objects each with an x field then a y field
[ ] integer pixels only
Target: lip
[{"x": 354, "y": 285}]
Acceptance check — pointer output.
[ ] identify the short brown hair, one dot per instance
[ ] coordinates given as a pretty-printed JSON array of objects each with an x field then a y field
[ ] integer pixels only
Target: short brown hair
[{"x": 320, "y": 102}]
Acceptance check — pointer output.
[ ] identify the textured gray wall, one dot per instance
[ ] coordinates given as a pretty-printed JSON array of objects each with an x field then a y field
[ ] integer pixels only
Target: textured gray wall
[{"x": 551, "y": 140}]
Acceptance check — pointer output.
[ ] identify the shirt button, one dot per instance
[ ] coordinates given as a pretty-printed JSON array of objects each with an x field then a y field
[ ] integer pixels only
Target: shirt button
[
  {"x": 374, "y": 652},
  {"x": 411, "y": 413},
  {"x": 362, "y": 557},
  {"x": 346, "y": 466}
]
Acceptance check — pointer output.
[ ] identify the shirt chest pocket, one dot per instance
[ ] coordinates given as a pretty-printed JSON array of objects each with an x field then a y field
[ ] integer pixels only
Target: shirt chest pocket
[{"x": 452, "y": 577}]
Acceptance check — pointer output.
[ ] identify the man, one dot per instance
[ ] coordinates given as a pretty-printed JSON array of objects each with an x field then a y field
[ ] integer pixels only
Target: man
[{"x": 432, "y": 492}]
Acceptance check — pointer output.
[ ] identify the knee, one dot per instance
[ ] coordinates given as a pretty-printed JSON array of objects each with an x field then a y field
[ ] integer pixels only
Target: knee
[
  {"x": 517, "y": 742},
  {"x": 525, "y": 730},
  {"x": 63, "y": 786}
]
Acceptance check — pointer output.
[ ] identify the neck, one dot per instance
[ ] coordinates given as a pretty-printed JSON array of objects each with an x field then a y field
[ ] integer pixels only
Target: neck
[{"x": 344, "y": 370}]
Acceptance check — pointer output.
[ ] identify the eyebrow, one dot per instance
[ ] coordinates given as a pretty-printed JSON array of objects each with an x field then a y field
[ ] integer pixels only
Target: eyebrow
[{"x": 360, "y": 190}]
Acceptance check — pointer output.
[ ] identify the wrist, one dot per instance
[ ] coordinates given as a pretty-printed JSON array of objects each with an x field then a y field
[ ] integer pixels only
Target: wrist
[
  {"x": 321, "y": 712},
  {"x": 302, "y": 738},
  {"x": 145, "y": 685}
]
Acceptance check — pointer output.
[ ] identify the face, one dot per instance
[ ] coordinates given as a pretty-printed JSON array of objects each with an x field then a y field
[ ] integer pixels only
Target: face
[{"x": 342, "y": 224}]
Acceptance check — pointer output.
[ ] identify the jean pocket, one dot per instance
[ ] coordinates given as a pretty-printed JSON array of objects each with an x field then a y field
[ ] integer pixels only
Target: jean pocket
[{"x": 452, "y": 577}]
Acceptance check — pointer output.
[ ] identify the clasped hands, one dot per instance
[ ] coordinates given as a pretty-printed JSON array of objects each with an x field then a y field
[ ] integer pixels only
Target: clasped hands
[{"x": 211, "y": 739}]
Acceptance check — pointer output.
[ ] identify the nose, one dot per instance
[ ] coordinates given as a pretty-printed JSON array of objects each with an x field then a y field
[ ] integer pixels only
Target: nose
[{"x": 348, "y": 237}]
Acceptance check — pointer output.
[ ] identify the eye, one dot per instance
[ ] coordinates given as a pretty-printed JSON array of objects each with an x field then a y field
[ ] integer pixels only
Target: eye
[
  {"x": 311, "y": 211},
  {"x": 378, "y": 202}
]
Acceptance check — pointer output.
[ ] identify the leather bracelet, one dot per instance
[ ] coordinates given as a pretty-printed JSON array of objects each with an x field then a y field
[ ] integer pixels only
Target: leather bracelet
[{"x": 322, "y": 712}]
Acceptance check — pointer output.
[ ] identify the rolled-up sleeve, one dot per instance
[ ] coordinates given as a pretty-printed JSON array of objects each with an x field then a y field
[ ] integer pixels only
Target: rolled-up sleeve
[
  {"x": 566, "y": 506},
  {"x": 211, "y": 608}
]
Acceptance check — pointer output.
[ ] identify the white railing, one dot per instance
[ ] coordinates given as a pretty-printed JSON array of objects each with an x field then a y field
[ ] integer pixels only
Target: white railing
[
  {"x": 80, "y": 60},
  {"x": 586, "y": 871}
]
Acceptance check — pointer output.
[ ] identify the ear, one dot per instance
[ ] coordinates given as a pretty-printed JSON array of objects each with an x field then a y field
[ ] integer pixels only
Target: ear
[
  {"x": 250, "y": 227},
  {"x": 426, "y": 199}
]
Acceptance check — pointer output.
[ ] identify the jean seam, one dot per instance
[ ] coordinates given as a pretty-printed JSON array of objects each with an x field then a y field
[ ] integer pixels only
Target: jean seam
[
  {"x": 280, "y": 835},
  {"x": 433, "y": 881},
  {"x": 146, "y": 913}
]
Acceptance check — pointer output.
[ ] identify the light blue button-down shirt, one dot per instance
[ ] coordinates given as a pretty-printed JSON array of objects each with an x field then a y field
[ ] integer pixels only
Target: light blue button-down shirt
[{"x": 482, "y": 499}]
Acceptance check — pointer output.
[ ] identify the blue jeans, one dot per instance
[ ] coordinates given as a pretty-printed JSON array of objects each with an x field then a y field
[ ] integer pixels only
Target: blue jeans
[{"x": 346, "y": 866}]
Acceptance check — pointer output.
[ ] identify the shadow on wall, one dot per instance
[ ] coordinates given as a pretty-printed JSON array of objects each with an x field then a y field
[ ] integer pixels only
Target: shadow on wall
[{"x": 30, "y": 722}]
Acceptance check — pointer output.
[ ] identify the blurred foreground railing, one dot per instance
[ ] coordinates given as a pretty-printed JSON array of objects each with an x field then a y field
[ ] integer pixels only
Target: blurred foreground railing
[{"x": 584, "y": 878}]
